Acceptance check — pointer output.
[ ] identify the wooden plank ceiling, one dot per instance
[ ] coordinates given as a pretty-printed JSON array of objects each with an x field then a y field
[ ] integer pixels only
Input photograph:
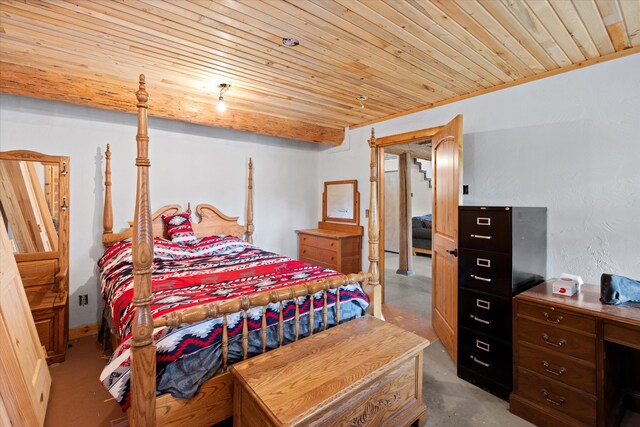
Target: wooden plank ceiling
[{"x": 404, "y": 55}]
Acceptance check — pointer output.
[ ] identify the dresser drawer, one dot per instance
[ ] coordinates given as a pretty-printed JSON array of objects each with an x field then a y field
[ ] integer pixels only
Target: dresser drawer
[
  {"x": 557, "y": 367},
  {"x": 557, "y": 397},
  {"x": 560, "y": 340},
  {"x": 318, "y": 242},
  {"x": 485, "y": 271},
  {"x": 485, "y": 230},
  {"x": 484, "y": 313},
  {"x": 321, "y": 255},
  {"x": 486, "y": 356},
  {"x": 555, "y": 317}
]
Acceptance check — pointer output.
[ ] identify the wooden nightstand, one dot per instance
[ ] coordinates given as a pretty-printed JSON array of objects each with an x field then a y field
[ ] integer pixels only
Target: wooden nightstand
[{"x": 334, "y": 246}]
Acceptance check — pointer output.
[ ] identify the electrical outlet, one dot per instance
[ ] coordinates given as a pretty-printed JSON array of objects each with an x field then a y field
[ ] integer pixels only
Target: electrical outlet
[
  {"x": 465, "y": 189},
  {"x": 84, "y": 299}
]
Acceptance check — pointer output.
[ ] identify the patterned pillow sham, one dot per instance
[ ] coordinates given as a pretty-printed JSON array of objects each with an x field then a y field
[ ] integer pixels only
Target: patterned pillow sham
[{"x": 179, "y": 228}]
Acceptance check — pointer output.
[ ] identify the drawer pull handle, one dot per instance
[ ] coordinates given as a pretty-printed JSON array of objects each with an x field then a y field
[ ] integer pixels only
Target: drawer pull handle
[
  {"x": 558, "y": 344},
  {"x": 480, "y": 362},
  {"x": 483, "y": 304},
  {"x": 547, "y": 397},
  {"x": 483, "y": 346},
  {"x": 477, "y": 319},
  {"x": 550, "y": 319},
  {"x": 560, "y": 372},
  {"x": 483, "y": 279},
  {"x": 481, "y": 262},
  {"x": 480, "y": 236},
  {"x": 483, "y": 221}
]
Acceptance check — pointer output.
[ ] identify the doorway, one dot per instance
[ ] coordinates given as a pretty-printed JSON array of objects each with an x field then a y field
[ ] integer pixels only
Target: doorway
[
  {"x": 446, "y": 155},
  {"x": 408, "y": 198}
]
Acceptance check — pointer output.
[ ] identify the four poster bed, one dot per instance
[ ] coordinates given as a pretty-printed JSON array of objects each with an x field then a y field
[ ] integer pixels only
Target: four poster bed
[{"x": 214, "y": 301}]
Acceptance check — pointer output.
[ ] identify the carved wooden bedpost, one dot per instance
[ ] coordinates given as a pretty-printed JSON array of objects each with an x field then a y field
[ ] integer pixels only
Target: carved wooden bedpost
[
  {"x": 373, "y": 230},
  {"x": 143, "y": 351},
  {"x": 249, "y": 230},
  {"x": 107, "y": 215}
]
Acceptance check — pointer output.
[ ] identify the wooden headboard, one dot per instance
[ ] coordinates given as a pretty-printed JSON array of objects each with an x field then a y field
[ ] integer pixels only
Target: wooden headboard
[{"x": 211, "y": 220}]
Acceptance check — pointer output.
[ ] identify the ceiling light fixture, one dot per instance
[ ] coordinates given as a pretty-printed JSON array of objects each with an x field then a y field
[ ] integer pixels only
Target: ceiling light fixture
[
  {"x": 289, "y": 42},
  {"x": 361, "y": 99},
  {"x": 221, "y": 107}
]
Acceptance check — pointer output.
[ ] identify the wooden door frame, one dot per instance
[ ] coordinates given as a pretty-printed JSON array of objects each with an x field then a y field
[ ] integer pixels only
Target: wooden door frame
[{"x": 381, "y": 143}]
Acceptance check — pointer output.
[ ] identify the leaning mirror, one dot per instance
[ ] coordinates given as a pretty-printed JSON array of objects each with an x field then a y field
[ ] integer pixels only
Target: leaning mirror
[
  {"x": 30, "y": 204},
  {"x": 341, "y": 202}
]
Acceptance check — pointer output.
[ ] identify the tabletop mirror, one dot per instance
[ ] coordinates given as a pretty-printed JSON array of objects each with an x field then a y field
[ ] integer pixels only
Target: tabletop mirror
[
  {"x": 341, "y": 202},
  {"x": 34, "y": 203}
]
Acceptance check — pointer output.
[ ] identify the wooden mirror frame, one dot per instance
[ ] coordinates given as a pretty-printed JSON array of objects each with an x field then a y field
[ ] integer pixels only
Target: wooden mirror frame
[{"x": 356, "y": 202}]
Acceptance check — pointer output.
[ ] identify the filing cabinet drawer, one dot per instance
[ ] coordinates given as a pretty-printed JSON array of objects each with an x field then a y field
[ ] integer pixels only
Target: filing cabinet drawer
[
  {"x": 485, "y": 271},
  {"x": 486, "y": 313},
  {"x": 486, "y": 356},
  {"x": 554, "y": 317},
  {"x": 557, "y": 339},
  {"x": 554, "y": 366},
  {"x": 555, "y": 396},
  {"x": 488, "y": 230}
]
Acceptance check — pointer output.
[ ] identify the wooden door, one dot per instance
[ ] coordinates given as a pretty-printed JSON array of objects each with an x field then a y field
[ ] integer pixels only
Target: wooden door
[
  {"x": 447, "y": 176},
  {"x": 23, "y": 366}
]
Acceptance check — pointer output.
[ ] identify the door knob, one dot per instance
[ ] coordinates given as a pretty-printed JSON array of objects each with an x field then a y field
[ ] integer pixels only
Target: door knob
[{"x": 453, "y": 252}]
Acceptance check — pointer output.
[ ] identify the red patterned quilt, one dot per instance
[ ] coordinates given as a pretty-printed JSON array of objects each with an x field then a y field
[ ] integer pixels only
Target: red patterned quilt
[{"x": 213, "y": 269}]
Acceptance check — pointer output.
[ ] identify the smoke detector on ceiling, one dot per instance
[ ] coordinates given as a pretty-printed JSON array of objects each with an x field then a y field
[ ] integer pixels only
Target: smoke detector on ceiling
[{"x": 289, "y": 42}]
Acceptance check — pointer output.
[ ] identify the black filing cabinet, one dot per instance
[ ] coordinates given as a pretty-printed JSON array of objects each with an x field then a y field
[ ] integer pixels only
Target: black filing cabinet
[{"x": 502, "y": 252}]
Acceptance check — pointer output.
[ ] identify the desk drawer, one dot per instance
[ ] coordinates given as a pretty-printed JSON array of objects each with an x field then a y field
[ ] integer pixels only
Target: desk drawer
[
  {"x": 486, "y": 356},
  {"x": 629, "y": 337},
  {"x": 485, "y": 230},
  {"x": 485, "y": 271},
  {"x": 557, "y": 367},
  {"x": 488, "y": 314},
  {"x": 557, "y": 339},
  {"x": 557, "y": 397},
  {"x": 318, "y": 242},
  {"x": 554, "y": 317}
]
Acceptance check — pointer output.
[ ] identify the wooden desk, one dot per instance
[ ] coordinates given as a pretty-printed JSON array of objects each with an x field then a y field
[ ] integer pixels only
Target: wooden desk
[
  {"x": 575, "y": 359},
  {"x": 365, "y": 372}
]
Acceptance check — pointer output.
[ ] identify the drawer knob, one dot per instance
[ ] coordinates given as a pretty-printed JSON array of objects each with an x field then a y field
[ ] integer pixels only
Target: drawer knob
[
  {"x": 547, "y": 397},
  {"x": 550, "y": 319},
  {"x": 560, "y": 372},
  {"x": 558, "y": 344},
  {"x": 479, "y": 320},
  {"x": 482, "y": 279},
  {"x": 480, "y": 362}
]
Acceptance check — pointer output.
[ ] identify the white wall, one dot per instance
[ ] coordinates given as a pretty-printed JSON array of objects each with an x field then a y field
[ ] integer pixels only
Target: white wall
[
  {"x": 190, "y": 163},
  {"x": 569, "y": 142}
]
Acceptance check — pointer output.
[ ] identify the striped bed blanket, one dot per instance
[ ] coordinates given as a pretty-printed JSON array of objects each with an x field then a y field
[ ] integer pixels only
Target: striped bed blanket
[{"x": 213, "y": 269}]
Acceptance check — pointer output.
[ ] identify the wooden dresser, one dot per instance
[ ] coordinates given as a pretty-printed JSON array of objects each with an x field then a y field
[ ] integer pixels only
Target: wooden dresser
[
  {"x": 575, "y": 359},
  {"x": 34, "y": 197},
  {"x": 374, "y": 379},
  {"x": 334, "y": 246},
  {"x": 503, "y": 250}
]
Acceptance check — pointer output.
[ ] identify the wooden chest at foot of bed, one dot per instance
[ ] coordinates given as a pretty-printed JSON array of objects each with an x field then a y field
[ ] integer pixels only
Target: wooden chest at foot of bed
[{"x": 365, "y": 372}]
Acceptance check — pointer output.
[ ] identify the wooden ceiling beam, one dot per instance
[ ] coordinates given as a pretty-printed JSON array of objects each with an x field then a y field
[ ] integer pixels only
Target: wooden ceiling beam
[{"x": 118, "y": 96}]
